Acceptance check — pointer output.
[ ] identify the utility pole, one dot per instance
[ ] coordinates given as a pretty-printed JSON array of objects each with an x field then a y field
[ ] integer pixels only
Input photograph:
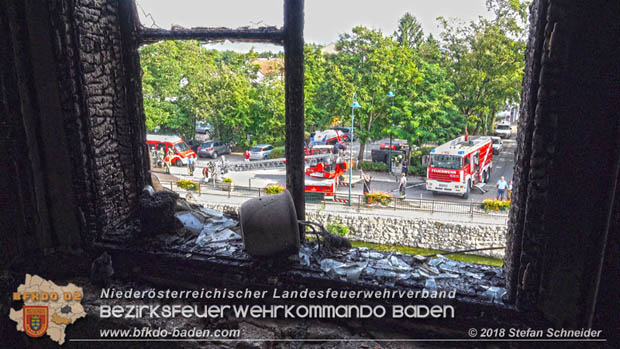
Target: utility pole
[{"x": 391, "y": 95}]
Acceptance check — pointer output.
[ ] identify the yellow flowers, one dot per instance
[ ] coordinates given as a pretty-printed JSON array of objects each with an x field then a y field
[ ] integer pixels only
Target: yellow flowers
[
  {"x": 495, "y": 205},
  {"x": 274, "y": 189},
  {"x": 187, "y": 184},
  {"x": 382, "y": 198}
]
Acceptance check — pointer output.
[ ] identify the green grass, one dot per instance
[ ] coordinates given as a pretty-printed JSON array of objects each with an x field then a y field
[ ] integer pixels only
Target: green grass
[{"x": 470, "y": 258}]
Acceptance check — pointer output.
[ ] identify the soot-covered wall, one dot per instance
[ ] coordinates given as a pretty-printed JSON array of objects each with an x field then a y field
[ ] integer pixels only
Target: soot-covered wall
[{"x": 72, "y": 139}]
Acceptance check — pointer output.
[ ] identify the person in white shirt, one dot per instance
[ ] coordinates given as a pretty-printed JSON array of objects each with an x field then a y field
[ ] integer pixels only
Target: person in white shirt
[
  {"x": 402, "y": 185},
  {"x": 501, "y": 188}
]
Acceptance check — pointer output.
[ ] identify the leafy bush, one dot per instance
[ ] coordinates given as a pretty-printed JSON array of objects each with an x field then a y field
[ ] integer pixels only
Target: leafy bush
[
  {"x": 274, "y": 189},
  {"x": 374, "y": 166},
  {"x": 338, "y": 229},
  {"x": 415, "y": 167},
  {"x": 227, "y": 180},
  {"x": 383, "y": 198},
  {"x": 417, "y": 170},
  {"x": 187, "y": 184},
  {"x": 495, "y": 205},
  {"x": 276, "y": 153}
]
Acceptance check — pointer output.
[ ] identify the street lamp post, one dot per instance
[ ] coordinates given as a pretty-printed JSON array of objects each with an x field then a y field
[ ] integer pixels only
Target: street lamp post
[
  {"x": 354, "y": 105},
  {"x": 391, "y": 95}
]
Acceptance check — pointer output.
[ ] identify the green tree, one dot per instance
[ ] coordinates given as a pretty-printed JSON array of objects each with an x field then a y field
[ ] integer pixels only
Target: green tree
[
  {"x": 409, "y": 32},
  {"x": 485, "y": 62},
  {"x": 315, "y": 81},
  {"x": 366, "y": 63},
  {"x": 174, "y": 74}
]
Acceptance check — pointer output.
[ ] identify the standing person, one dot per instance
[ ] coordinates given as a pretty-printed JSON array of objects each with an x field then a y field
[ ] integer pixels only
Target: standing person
[
  {"x": 501, "y": 188},
  {"x": 246, "y": 156},
  {"x": 191, "y": 163},
  {"x": 160, "y": 156},
  {"x": 216, "y": 171},
  {"x": 402, "y": 185},
  {"x": 509, "y": 191},
  {"x": 168, "y": 160},
  {"x": 405, "y": 167},
  {"x": 367, "y": 179},
  {"x": 223, "y": 165},
  {"x": 205, "y": 173}
]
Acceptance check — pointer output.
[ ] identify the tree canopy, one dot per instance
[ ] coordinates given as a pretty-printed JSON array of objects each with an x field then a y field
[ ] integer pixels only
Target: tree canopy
[{"x": 441, "y": 87}]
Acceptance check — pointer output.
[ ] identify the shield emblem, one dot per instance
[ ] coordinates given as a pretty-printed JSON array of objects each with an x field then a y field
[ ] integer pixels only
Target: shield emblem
[{"x": 35, "y": 320}]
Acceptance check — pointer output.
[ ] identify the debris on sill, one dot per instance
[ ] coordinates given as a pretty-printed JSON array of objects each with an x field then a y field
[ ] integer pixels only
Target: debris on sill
[{"x": 212, "y": 233}]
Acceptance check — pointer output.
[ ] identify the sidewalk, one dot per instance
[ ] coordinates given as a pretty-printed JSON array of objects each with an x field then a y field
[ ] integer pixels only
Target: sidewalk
[{"x": 212, "y": 196}]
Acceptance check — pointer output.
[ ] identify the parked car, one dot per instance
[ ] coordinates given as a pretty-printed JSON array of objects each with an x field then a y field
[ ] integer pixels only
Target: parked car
[
  {"x": 498, "y": 145},
  {"x": 397, "y": 144},
  {"x": 503, "y": 130},
  {"x": 203, "y": 127},
  {"x": 381, "y": 155},
  {"x": 212, "y": 149},
  {"x": 260, "y": 152},
  {"x": 346, "y": 131}
]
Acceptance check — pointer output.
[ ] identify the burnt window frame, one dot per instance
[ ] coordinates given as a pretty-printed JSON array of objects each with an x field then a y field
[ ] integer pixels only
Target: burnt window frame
[
  {"x": 291, "y": 37},
  {"x": 553, "y": 103}
]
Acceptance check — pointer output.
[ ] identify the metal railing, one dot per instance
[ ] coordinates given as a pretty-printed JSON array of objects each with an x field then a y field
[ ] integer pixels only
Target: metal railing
[
  {"x": 358, "y": 200},
  {"x": 420, "y": 204}
]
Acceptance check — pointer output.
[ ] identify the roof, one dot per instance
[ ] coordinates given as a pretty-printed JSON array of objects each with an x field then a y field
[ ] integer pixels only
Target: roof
[
  {"x": 330, "y": 49},
  {"x": 458, "y": 146},
  {"x": 322, "y": 136},
  {"x": 269, "y": 66},
  {"x": 162, "y": 138}
]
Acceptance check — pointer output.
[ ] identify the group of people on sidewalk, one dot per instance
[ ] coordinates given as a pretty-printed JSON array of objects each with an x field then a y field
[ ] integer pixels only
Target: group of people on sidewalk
[
  {"x": 215, "y": 169},
  {"x": 402, "y": 181}
]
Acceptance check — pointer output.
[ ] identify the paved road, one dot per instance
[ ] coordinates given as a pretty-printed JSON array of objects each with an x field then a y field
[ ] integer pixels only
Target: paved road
[{"x": 502, "y": 166}]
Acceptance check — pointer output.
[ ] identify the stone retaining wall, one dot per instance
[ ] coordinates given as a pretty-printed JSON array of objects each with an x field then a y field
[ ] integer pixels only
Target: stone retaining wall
[{"x": 415, "y": 232}]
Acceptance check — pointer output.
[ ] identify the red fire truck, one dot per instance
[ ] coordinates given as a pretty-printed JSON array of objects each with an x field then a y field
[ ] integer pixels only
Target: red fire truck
[
  {"x": 322, "y": 178},
  {"x": 456, "y": 166},
  {"x": 178, "y": 146}
]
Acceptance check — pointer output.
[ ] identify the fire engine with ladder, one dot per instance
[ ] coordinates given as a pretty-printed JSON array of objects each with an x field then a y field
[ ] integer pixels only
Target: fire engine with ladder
[
  {"x": 323, "y": 177},
  {"x": 458, "y": 165}
]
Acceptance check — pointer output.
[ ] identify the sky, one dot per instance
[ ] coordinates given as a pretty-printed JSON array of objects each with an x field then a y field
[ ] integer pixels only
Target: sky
[{"x": 324, "y": 19}]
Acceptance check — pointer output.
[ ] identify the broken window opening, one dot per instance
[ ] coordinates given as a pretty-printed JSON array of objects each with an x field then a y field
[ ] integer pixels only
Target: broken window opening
[
  {"x": 546, "y": 280},
  {"x": 291, "y": 37},
  {"x": 209, "y": 233}
]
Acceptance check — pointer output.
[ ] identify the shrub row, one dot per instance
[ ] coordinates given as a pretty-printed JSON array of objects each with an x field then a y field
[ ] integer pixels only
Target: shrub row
[
  {"x": 379, "y": 197},
  {"x": 495, "y": 205},
  {"x": 276, "y": 153},
  {"x": 187, "y": 184},
  {"x": 374, "y": 166}
]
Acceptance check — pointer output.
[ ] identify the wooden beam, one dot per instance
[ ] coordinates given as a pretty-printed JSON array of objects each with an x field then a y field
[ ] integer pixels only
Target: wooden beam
[
  {"x": 294, "y": 92},
  {"x": 271, "y": 35}
]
